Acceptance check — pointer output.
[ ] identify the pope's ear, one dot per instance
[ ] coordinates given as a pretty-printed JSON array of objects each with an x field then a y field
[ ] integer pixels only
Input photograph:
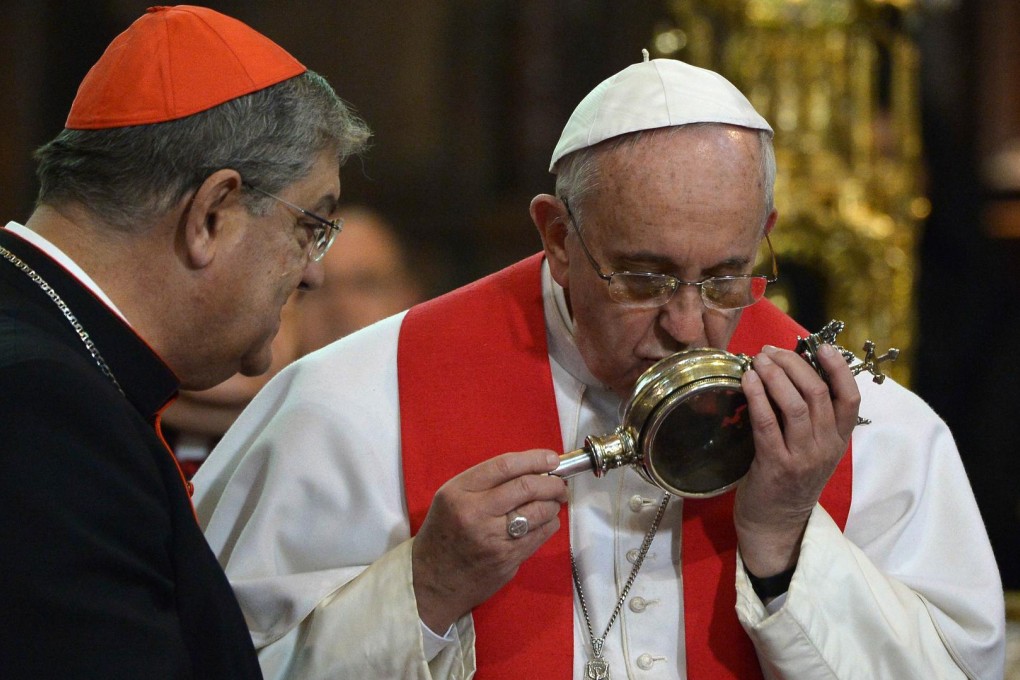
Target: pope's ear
[
  {"x": 550, "y": 218},
  {"x": 207, "y": 215}
]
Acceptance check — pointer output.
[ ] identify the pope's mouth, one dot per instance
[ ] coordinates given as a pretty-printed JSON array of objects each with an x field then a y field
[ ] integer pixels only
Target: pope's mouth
[
  {"x": 645, "y": 364},
  {"x": 639, "y": 370}
]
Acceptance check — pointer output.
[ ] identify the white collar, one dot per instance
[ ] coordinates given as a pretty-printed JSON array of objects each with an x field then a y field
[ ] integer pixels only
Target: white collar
[
  {"x": 559, "y": 328},
  {"x": 64, "y": 261}
]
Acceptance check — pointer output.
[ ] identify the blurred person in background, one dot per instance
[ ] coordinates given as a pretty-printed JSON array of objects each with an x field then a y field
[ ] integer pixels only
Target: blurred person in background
[{"x": 367, "y": 284}]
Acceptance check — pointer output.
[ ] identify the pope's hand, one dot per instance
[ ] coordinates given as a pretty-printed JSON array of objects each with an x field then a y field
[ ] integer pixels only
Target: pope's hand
[
  {"x": 801, "y": 429},
  {"x": 463, "y": 554}
]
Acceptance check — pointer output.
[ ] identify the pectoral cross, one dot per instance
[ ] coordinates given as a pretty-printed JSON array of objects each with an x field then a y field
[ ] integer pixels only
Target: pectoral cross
[{"x": 597, "y": 668}]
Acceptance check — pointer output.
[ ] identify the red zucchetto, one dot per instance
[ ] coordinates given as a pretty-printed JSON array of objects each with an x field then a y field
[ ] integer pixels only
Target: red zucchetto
[{"x": 174, "y": 62}]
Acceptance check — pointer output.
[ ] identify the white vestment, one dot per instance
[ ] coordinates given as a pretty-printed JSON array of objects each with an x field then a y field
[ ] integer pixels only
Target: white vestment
[{"x": 303, "y": 502}]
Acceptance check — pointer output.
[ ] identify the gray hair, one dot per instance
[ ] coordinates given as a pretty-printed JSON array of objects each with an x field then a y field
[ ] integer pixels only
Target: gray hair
[
  {"x": 577, "y": 174},
  {"x": 130, "y": 176}
]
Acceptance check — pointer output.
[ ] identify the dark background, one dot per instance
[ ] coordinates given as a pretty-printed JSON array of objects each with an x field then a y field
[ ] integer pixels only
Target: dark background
[{"x": 467, "y": 98}]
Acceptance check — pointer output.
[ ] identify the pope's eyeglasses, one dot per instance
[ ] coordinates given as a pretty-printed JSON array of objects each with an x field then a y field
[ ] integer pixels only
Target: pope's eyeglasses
[
  {"x": 323, "y": 233},
  {"x": 648, "y": 290}
]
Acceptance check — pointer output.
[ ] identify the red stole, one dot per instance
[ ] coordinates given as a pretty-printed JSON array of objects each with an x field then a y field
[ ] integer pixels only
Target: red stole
[{"x": 475, "y": 382}]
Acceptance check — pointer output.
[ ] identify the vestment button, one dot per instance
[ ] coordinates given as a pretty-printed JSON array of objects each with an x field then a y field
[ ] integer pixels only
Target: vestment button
[
  {"x": 638, "y": 604},
  {"x": 646, "y": 661},
  {"x": 638, "y": 503}
]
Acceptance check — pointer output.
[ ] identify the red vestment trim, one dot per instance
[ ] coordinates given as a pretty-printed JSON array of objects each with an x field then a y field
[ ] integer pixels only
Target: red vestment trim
[{"x": 475, "y": 382}]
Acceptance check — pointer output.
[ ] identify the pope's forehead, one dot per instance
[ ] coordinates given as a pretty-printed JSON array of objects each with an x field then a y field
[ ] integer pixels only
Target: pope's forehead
[
  {"x": 682, "y": 147},
  {"x": 701, "y": 165}
]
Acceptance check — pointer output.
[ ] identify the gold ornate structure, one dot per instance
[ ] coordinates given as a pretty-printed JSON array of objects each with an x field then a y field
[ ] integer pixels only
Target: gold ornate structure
[{"x": 838, "y": 80}]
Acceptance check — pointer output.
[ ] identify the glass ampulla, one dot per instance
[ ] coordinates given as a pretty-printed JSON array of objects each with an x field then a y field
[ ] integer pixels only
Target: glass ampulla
[{"x": 686, "y": 427}]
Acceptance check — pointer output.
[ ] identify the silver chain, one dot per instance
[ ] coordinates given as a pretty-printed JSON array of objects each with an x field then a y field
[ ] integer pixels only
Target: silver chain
[
  {"x": 66, "y": 311},
  {"x": 598, "y": 642}
]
